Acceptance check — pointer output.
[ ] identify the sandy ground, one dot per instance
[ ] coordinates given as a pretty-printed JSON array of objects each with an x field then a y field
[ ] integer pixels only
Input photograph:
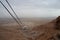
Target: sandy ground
[{"x": 36, "y": 30}]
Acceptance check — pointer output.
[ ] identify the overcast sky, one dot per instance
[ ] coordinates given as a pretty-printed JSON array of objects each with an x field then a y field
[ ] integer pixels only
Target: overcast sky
[{"x": 32, "y": 8}]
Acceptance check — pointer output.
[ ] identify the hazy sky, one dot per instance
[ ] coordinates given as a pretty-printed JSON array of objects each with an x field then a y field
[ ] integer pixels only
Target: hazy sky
[{"x": 32, "y": 8}]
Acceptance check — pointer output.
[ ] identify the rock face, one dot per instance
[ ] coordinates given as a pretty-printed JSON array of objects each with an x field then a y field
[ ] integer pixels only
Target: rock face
[
  {"x": 57, "y": 23},
  {"x": 51, "y": 30}
]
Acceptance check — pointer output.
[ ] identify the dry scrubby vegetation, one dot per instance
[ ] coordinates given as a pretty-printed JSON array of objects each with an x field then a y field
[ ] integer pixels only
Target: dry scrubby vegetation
[{"x": 34, "y": 31}]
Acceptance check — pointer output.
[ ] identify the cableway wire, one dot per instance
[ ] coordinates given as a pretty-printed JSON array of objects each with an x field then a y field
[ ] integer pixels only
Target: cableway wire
[
  {"x": 10, "y": 14},
  {"x": 13, "y": 11}
]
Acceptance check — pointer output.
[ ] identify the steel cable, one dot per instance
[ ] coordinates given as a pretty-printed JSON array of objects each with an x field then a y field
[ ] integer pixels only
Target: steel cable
[
  {"x": 10, "y": 13},
  {"x": 13, "y": 11}
]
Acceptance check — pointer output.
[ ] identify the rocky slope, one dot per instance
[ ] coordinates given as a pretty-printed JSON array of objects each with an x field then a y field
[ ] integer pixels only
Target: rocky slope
[{"x": 48, "y": 31}]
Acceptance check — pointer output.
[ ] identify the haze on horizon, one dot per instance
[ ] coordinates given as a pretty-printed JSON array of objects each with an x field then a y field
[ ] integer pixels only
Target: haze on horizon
[{"x": 32, "y": 8}]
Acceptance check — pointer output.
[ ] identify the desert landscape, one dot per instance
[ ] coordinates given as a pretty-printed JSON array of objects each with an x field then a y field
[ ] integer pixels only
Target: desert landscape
[
  {"x": 33, "y": 29},
  {"x": 29, "y": 20}
]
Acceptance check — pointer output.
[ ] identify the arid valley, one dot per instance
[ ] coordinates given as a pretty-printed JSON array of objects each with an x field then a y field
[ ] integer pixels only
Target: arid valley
[{"x": 36, "y": 29}]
